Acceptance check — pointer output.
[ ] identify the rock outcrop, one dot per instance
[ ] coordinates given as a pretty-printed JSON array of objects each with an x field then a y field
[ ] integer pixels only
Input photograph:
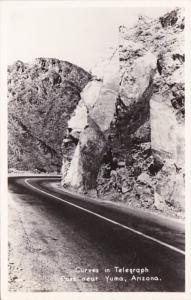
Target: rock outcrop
[
  {"x": 131, "y": 140},
  {"x": 92, "y": 119},
  {"x": 42, "y": 96}
]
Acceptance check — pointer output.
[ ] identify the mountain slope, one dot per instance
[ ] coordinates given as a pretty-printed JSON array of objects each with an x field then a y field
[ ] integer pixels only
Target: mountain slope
[{"x": 42, "y": 96}]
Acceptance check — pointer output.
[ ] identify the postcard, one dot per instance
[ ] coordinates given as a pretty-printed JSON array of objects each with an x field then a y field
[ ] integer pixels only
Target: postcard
[{"x": 95, "y": 152}]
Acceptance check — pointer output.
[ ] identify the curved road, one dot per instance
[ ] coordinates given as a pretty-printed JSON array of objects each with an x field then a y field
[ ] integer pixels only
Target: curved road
[{"x": 62, "y": 242}]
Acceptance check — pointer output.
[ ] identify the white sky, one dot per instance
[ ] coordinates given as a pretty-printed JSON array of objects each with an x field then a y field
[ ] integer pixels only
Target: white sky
[{"x": 80, "y": 35}]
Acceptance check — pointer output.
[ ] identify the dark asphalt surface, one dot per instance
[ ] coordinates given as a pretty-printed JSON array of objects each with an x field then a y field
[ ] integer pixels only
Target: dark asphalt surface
[{"x": 113, "y": 245}]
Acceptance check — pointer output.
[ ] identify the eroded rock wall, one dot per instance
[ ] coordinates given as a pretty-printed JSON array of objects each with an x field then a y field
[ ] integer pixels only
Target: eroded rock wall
[
  {"x": 42, "y": 96},
  {"x": 131, "y": 139},
  {"x": 92, "y": 119},
  {"x": 148, "y": 131}
]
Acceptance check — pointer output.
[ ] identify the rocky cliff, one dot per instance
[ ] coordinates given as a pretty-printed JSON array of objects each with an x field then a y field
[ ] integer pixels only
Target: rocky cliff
[
  {"x": 150, "y": 117},
  {"x": 42, "y": 95},
  {"x": 96, "y": 108},
  {"x": 130, "y": 145}
]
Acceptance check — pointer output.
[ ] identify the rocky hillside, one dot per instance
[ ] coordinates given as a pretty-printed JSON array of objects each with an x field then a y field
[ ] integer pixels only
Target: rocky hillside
[
  {"x": 149, "y": 122},
  {"x": 42, "y": 96},
  {"x": 130, "y": 145}
]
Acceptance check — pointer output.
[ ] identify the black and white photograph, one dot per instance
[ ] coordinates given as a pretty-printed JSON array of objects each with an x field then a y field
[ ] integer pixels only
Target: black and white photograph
[{"x": 96, "y": 155}]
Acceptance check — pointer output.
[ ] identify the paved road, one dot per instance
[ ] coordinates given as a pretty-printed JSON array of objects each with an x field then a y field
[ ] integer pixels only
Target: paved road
[{"x": 54, "y": 237}]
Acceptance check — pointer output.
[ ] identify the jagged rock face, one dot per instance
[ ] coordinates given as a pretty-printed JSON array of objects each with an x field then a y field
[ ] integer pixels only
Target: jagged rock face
[
  {"x": 97, "y": 107},
  {"x": 133, "y": 126},
  {"x": 76, "y": 125},
  {"x": 148, "y": 130},
  {"x": 104, "y": 109},
  {"x": 42, "y": 96},
  {"x": 92, "y": 148},
  {"x": 136, "y": 78},
  {"x": 133, "y": 109},
  {"x": 70, "y": 177}
]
